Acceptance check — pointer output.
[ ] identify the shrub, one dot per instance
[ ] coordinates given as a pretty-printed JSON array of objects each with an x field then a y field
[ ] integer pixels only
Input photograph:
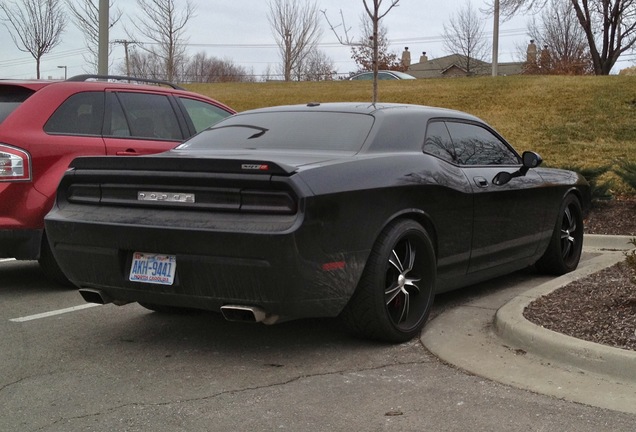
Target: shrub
[
  {"x": 627, "y": 172},
  {"x": 599, "y": 189}
]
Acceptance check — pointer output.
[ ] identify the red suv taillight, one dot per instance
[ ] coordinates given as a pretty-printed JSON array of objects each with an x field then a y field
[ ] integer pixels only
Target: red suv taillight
[{"x": 15, "y": 164}]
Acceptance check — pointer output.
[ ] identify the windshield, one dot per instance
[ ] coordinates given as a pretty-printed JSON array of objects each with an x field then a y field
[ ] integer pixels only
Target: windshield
[
  {"x": 284, "y": 130},
  {"x": 10, "y": 98}
]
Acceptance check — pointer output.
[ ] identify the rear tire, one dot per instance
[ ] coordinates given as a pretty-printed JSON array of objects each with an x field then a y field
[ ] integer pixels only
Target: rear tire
[
  {"x": 49, "y": 265},
  {"x": 396, "y": 291},
  {"x": 564, "y": 251}
]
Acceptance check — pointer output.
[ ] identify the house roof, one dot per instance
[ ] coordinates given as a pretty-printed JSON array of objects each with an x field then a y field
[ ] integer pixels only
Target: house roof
[{"x": 442, "y": 66}]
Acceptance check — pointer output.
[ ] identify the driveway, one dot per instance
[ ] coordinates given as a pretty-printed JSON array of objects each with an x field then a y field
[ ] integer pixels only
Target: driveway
[{"x": 68, "y": 367}]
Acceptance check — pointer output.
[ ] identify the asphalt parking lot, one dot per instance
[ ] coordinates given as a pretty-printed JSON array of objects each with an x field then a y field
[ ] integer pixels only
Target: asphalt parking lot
[{"x": 68, "y": 367}]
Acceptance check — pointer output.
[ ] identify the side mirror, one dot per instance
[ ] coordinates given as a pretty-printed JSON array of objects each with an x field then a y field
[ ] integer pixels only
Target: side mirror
[
  {"x": 529, "y": 159},
  {"x": 502, "y": 178}
]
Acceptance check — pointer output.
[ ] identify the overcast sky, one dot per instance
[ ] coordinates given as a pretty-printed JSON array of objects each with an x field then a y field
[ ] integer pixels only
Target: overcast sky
[{"x": 238, "y": 30}]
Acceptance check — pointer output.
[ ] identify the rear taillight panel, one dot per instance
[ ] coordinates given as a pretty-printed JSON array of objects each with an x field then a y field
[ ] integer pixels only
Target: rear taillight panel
[{"x": 15, "y": 164}]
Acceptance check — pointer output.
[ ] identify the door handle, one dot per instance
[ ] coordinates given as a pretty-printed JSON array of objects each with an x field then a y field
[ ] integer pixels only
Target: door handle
[
  {"x": 481, "y": 182},
  {"x": 127, "y": 152}
]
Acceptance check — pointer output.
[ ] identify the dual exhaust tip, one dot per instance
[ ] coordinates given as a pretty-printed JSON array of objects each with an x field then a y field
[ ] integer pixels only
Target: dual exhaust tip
[
  {"x": 253, "y": 314},
  {"x": 238, "y": 313}
]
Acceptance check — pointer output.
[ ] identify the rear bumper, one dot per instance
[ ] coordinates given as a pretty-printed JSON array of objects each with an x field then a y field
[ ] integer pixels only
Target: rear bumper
[
  {"x": 285, "y": 273},
  {"x": 20, "y": 244}
]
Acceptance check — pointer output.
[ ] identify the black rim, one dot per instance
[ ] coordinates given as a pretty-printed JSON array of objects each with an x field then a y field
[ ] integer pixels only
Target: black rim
[
  {"x": 405, "y": 295},
  {"x": 570, "y": 234}
]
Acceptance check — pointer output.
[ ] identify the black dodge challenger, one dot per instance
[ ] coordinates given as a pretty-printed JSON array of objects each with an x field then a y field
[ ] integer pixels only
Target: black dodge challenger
[{"x": 347, "y": 209}]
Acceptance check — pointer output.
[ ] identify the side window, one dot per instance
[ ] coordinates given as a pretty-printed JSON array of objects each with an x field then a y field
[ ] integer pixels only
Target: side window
[
  {"x": 118, "y": 126},
  {"x": 80, "y": 114},
  {"x": 438, "y": 142},
  {"x": 148, "y": 116},
  {"x": 203, "y": 114},
  {"x": 475, "y": 145}
]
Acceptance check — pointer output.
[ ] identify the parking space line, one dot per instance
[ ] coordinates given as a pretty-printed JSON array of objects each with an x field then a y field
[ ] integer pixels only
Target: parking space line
[
  {"x": 53, "y": 313},
  {"x": 6, "y": 259}
]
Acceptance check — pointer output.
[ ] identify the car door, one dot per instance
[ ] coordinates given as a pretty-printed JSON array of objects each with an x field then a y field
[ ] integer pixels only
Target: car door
[
  {"x": 507, "y": 219},
  {"x": 140, "y": 123},
  {"x": 454, "y": 217}
]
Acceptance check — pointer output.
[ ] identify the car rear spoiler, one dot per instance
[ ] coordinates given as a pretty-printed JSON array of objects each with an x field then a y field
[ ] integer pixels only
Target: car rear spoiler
[{"x": 179, "y": 164}]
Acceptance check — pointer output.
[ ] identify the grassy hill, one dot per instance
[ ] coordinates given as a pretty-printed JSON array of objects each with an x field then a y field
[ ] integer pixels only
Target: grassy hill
[{"x": 585, "y": 122}]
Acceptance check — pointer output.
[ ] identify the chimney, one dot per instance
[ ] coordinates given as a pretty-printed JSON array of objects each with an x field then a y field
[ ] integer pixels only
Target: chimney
[
  {"x": 406, "y": 57},
  {"x": 531, "y": 53}
]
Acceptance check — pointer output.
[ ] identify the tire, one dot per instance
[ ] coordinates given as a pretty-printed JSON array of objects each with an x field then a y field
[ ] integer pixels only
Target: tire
[
  {"x": 49, "y": 265},
  {"x": 395, "y": 294},
  {"x": 564, "y": 251}
]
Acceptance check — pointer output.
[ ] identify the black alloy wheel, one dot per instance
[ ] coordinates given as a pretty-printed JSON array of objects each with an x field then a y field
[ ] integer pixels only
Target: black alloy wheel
[
  {"x": 564, "y": 251},
  {"x": 396, "y": 291}
]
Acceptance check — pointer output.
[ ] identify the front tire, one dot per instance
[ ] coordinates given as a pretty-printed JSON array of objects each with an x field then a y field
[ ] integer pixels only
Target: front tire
[
  {"x": 564, "y": 251},
  {"x": 396, "y": 291}
]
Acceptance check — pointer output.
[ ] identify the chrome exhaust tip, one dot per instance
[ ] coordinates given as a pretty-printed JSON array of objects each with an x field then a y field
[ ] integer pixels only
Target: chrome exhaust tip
[
  {"x": 252, "y": 314},
  {"x": 94, "y": 296}
]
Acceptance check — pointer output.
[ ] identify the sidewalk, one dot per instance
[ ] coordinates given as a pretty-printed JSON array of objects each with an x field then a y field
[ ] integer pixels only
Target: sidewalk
[{"x": 490, "y": 337}]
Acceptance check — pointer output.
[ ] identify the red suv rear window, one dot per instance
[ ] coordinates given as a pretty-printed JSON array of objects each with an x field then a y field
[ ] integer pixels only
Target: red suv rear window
[{"x": 11, "y": 97}]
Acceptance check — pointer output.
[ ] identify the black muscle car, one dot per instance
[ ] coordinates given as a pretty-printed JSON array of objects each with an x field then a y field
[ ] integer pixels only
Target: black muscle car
[{"x": 321, "y": 210}]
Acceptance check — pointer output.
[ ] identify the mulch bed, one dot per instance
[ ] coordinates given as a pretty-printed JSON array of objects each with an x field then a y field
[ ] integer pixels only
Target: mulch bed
[
  {"x": 599, "y": 308},
  {"x": 614, "y": 217}
]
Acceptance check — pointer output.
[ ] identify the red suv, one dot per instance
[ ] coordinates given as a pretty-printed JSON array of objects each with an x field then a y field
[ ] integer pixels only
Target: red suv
[{"x": 44, "y": 125}]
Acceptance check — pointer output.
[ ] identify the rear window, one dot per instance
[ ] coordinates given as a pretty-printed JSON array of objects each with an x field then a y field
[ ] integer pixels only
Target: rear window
[
  {"x": 10, "y": 98},
  {"x": 80, "y": 114},
  {"x": 332, "y": 131}
]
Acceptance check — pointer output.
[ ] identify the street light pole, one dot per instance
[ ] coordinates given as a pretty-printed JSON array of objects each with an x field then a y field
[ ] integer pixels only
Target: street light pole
[
  {"x": 102, "y": 47},
  {"x": 495, "y": 41},
  {"x": 65, "y": 68}
]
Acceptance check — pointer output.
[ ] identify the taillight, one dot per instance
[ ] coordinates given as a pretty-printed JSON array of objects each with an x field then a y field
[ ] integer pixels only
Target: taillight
[{"x": 15, "y": 164}]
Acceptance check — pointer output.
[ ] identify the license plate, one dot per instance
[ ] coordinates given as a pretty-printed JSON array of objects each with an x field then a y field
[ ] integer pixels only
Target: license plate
[{"x": 153, "y": 268}]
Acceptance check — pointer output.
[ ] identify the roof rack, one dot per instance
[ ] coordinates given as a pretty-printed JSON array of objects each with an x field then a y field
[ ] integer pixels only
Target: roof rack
[{"x": 123, "y": 78}]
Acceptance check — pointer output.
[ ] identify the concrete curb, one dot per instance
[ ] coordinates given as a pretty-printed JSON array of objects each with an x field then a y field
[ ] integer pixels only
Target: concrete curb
[
  {"x": 607, "y": 242},
  {"x": 511, "y": 326}
]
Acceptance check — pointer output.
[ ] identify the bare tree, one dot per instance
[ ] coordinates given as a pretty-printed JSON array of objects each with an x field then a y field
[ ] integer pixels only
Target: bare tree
[
  {"x": 85, "y": 14},
  {"x": 317, "y": 66},
  {"x": 296, "y": 29},
  {"x": 464, "y": 35},
  {"x": 35, "y": 25},
  {"x": 163, "y": 24},
  {"x": 363, "y": 51},
  {"x": 203, "y": 69},
  {"x": 563, "y": 45},
  {"x": 375, "y": 14},
  {"x": 609, "y": 26},
  {"x": 142, "y": 64}
]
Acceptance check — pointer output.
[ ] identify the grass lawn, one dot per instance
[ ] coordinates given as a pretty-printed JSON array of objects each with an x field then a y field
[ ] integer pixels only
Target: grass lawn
[{"x": 582, "y": 122}]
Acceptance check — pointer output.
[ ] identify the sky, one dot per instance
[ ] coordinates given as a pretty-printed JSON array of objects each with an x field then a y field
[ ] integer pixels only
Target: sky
[{"x": 239, "y": 31}]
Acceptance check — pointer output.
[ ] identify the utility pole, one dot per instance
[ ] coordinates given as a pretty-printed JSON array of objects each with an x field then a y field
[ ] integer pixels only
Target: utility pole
[
  {"x": 102, "y": 48},
  {"x": 495, "y": 41},
  {"x": 125, "y": 43}
]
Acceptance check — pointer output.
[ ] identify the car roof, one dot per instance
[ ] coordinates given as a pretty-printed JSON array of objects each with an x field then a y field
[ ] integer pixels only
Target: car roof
[
  {"x": 31, "y": 84},
  {"x": 74, "y": 84},
  {"x": 397, "y": 74},
  {"x": 376, "y": 109}
]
